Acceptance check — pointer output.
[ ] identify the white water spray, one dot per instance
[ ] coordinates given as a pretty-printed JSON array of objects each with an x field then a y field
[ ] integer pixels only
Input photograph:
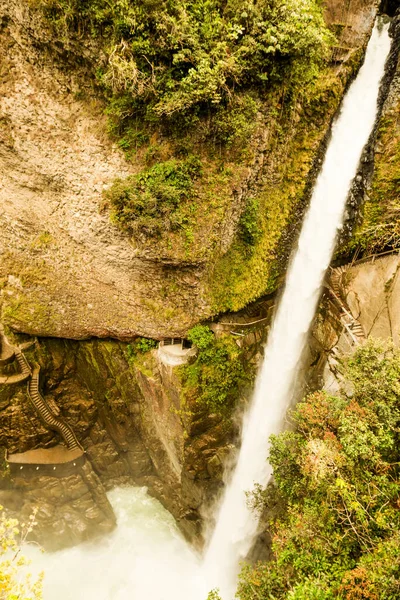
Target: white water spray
[
  {"x": 236, "y": 526},
  {"x": 145, "y": 558}
]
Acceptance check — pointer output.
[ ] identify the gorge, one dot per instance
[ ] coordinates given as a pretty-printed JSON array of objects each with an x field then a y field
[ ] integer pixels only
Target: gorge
[{"x": 168, "y": 418}]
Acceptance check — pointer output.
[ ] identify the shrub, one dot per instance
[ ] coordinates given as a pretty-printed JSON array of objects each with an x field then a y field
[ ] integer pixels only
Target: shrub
[
  {"x": 167, "y": 58},
  {"x": 150, "y": 202},
  {"x": 215, "y": 377},
  {"x": 336, "y": 480},
  {"x": 201, "y": 336},
  {"x": 140, "y": 346},
  {"x": 14, "y": 584}
]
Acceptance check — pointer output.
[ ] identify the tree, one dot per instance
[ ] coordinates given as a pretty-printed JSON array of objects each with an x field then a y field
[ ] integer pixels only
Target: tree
[
  {"x": 336, "y": 481},
  {"x": 15, "y": 584}
]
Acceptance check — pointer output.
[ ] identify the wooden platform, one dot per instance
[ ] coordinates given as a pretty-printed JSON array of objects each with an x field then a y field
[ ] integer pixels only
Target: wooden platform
[
  {"x": 46, "y": 456},
  {"x": 51, "y": 462}
]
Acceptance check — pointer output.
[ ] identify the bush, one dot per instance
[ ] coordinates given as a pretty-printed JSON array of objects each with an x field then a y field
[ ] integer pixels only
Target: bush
[
  {"x": 166, "y": 58},
  {"x": 337, "y": 482},
  {"x": 215, "y": 377},
  {"x": 201, "y": 336},
  {"x": 150, "y": 202},
  {"x": 14, "y": 584},
  {"x": 233, "y": 124},
  {"x": 140, "y": 346}
]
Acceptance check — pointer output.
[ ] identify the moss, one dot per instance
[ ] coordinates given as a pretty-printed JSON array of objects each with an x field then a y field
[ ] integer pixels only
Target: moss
[
  {"x": 22, "y": 309},
  {"x": 248, "y": 271},
  {"x": 380, "y": 226}
]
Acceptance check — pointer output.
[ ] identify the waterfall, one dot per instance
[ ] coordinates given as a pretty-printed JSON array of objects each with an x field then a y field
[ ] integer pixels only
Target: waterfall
[{"x": 236, "y": 526}]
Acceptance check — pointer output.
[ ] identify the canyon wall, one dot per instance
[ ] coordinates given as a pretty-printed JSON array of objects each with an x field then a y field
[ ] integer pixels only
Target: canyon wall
[{"x": 70, "y": 277}]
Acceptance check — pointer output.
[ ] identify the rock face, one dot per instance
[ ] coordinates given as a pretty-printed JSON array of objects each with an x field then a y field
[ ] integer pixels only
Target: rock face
[
  {"x": 372, "y": 290},
  {"x": 372, "y": 220},
  {"x": 130, "y": 417},
  {"x": 65, "y": 270},
  {"x": 68, "y": 510},
  {"x": 70, "y": 272}
]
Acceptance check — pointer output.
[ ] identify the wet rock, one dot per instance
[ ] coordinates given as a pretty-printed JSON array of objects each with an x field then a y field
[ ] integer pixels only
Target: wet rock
[{"x": 67, "y": 510}]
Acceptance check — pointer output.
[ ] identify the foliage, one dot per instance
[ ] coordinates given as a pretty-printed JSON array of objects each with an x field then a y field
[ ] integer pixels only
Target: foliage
[
  {"x": 140, "y": 346},
  {"x": 222, "y": 80},
  {"x": 380, "y": 227},
  {"x": 166, "y": 58},
  {"x": 215, "y": 377},
  {"x": 151, "y": 202},
  {"x": 214, "y": 595},
  {"x": 201, "y": 336},
  {"x": 336, "y": 479},
  {"x": 249, "y": 226},
  {"x": 14, "y": 585},
  {"x": 232, "y": 125}
]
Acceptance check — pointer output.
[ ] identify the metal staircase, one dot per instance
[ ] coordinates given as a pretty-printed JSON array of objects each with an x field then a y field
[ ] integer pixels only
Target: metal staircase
[
  {"x": 48, "y": 415},
  {"x": 50, "y": 420}
]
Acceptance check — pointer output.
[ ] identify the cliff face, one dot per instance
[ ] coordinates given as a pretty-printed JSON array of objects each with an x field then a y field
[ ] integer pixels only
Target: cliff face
[
  {"x": 65, "y": 270},
  {"x": 372, "y": 223},
  {"x": 135, "y": 426},
  {"x": 67, "y": 273},
  {"x": 368, "y": 291}
]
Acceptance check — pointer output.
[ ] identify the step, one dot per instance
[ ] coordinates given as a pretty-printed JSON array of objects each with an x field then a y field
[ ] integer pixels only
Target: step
[{"x": 46, "y": 413}]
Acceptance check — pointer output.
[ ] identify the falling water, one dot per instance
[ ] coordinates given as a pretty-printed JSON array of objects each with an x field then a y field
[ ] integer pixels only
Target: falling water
[{"x": 236, "y": 526}]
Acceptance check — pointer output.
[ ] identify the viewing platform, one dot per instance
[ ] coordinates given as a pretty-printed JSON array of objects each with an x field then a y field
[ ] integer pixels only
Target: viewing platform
[
  {"x": 58, "y": 461},
  {"x": 175, "y": 351}
]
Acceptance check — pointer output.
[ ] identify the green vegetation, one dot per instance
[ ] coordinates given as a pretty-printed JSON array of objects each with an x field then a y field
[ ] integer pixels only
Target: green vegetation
[
  {"x": 215, "y": 377},
  {"x": 380, "y": 227},
  {"x": 155, "y": 201},
  {"x": 201, "y": 78},
  {"x": 14, "y": 583},
  {"x": 223, "y": 82},
  {"x": 257, "y": 257},
  {"x": 140, "y": 346},
  {"x": 214, "y": 595},
  {"x": 167, "y": 59},
  {"x": 201, "y": 336},
  {"x": 336, "y": 481},
  {"x": 249, "y": 225}
]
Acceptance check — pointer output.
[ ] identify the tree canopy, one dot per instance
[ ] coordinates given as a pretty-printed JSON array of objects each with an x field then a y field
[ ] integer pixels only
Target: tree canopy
[
  {"x": 336, "y": 481},
  {"x": 167, "y": 57}
]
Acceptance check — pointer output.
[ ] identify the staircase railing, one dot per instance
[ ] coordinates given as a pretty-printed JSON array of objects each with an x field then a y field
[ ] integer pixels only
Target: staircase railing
[{"x": 46, "y": 414}]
